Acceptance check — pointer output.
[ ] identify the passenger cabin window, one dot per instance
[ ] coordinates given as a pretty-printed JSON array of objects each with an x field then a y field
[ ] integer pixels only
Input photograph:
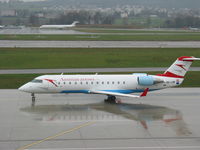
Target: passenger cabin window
[{"x": 37, "y": 81}]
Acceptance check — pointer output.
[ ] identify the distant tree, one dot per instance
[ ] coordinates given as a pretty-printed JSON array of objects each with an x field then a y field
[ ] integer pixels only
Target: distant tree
[
  {"x": 98, "y": 18},
  {"x": 149, "y": 21},
  {"x": 125, "y": 21},
  {"x": 23, "y": 13},
  {"x": 18, "y": 21},
  {"x": 109, "y": 19},
  {"x": 34, "y": 20},
  {"x": 183, "y": 21},
  {"x": 85, "y": 17},
  {"x": 168, "y": 23}
]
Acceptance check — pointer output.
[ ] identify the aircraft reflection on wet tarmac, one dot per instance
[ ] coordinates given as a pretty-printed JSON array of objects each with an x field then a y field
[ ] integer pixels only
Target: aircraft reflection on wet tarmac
[{"x": 141, "y": 113}]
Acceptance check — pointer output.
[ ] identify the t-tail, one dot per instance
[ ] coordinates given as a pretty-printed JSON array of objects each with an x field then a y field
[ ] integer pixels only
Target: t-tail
[
  {"x": 74, "y": 23},
  {"x": 180, "y": 67}
]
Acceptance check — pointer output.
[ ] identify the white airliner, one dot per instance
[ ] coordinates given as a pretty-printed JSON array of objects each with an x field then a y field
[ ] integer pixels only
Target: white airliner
[
  {"x": 193, "y": 29},
  {"x": 111, "y": 85},
  {"x": 59, "y": 26},
  {"x": 1, "y": 27}
]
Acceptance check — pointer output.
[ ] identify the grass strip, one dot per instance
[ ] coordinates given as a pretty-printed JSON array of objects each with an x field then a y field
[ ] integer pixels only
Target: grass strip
[
  {"x": 104, "y": 37},
  {"x": 102, "y": 30},
  {"x": 38, "y": 58}
]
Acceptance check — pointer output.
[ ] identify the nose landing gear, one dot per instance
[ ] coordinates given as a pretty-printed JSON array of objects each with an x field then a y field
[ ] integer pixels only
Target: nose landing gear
[{"x": 33, "y": 99}]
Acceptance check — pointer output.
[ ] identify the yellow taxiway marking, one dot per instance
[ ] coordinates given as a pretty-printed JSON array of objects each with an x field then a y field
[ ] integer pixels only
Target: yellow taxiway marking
[{"x": 56, "y": 135}]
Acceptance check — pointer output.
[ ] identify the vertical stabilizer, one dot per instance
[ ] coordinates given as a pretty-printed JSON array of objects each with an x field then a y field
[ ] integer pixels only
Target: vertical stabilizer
[{"x": 180, "y": 67}]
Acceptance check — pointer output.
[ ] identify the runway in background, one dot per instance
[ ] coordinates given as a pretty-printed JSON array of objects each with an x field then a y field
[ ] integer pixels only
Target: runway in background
[{"x": 99, "y": 44}]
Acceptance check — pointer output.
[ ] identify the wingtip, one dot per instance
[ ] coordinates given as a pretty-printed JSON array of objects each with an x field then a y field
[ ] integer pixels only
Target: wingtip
[{"x": 145, "y": 92}]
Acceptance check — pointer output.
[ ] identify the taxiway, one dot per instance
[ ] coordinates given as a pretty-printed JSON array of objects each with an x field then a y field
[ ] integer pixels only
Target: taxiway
[
  {"x": 99, "y": 44},
  {"x": 166, "y": 119},
  {"x": 85, "y": 70}
]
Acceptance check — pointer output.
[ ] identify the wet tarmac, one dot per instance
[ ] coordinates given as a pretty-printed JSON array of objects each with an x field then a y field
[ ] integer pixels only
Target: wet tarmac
[
  {"x": 166, "y": 119},
  {"x": 17, "y": 30}
]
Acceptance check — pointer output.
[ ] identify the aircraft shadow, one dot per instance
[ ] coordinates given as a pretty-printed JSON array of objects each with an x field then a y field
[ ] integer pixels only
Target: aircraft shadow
[{"x": 141, "y": 113}]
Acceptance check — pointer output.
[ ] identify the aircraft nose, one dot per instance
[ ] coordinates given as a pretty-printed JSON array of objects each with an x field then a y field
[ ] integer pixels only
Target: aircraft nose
[{"x": 24, "y": 88}]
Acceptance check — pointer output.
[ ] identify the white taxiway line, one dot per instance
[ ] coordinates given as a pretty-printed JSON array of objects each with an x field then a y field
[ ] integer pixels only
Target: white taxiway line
[{"x": 111, "y": 148}]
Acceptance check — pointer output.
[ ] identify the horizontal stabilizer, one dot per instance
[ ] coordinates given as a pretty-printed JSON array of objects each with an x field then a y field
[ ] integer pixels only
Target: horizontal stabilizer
[{"x": 190, "y": 59}]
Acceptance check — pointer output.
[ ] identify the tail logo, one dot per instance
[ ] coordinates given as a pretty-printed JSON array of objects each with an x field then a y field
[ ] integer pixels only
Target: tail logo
[{"x": 181, "y": 66}]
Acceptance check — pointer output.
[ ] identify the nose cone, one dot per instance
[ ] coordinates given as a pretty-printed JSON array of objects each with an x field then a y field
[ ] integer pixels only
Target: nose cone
[{"x": 24, "y": 88}]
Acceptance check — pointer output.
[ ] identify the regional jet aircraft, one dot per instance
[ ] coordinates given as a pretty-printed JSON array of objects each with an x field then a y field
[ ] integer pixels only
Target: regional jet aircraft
[
  {"x": 59, "y": 26},
  {"x": 193, "y": 29},
  {"x": 111, "y": 85}
]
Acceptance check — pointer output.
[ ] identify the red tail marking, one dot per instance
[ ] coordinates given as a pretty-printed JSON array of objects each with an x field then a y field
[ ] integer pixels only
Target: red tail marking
[
  {"x": 180, "y": 65},
  {"x": 182, "y": 58},
  {"x": 169, "y": 74}
]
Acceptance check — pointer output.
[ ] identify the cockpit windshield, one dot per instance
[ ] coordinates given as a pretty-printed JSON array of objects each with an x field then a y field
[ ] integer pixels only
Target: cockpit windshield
[{"x": 36, "y": 81}]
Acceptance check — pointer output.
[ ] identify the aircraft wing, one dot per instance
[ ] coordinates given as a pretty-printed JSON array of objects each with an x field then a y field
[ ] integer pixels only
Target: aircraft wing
[{"x": 120, "y": 94}]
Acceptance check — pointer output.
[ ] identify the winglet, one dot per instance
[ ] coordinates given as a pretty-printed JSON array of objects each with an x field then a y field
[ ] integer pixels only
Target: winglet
[{"x": 145, "y": 92}]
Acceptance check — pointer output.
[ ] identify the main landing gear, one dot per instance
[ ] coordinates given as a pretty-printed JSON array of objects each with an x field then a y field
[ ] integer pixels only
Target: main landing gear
[
  {"x": 33, "y": 99},
  {"x": 111, "y": 99}
]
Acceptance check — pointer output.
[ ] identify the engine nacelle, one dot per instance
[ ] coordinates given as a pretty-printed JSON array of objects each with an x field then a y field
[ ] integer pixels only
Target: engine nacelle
[{"x": 145, "y": 80}]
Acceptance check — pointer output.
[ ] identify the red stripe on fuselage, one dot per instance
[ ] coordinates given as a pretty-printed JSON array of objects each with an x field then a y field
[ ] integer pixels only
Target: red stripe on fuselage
[
  {"x": 52, "y": 81},
  {"x": 169, "y": 74}
]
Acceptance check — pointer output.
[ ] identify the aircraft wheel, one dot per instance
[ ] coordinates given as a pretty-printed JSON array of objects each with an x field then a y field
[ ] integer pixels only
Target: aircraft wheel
[
  {"x": 33, "y": 99},
  {"x": 111, "y": 99}
]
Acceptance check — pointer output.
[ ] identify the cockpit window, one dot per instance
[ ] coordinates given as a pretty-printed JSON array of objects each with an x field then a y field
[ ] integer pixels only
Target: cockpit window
[{"x": 36, "y": 81}]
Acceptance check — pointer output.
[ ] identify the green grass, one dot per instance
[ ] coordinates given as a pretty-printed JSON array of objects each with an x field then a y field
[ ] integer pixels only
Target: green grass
[
  {"x": 32, "y": 58},
  {"x": 143, "y": 31},
  {"x": 14, "y": 81},
  {"x": 105, "y": 37},
  {"x": 141, "y": 21}
]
